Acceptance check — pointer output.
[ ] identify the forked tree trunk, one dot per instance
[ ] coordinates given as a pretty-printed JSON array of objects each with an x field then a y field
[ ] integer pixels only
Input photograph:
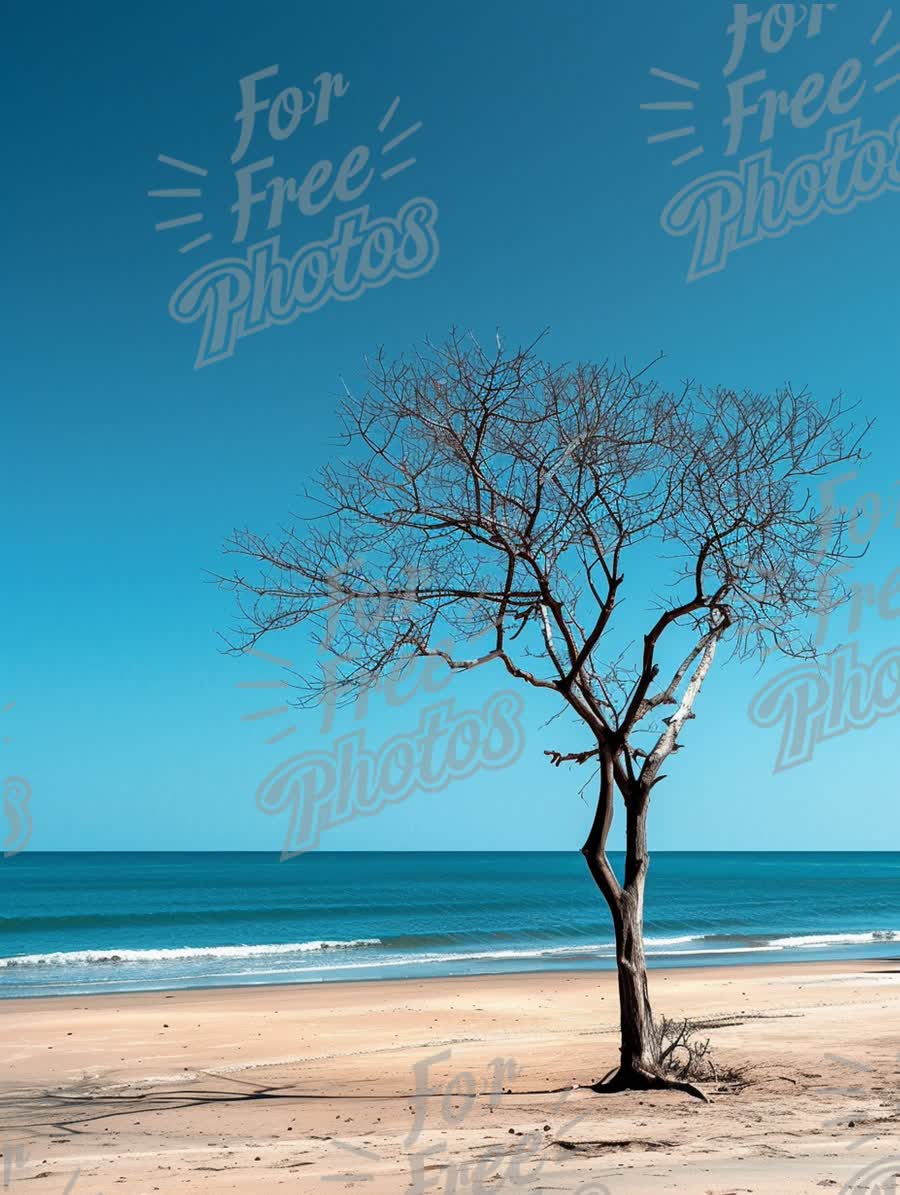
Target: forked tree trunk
[
  {"x": 639, "y": 1048},
  {"x": 639, "y": 1068}
]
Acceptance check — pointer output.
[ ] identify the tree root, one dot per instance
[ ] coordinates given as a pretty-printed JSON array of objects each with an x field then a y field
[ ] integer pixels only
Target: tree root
[{"x": 638, "y": 1079}]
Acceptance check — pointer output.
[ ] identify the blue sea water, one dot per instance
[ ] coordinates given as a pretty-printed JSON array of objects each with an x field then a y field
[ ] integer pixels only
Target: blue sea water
[{"x": 85, "y": 923}]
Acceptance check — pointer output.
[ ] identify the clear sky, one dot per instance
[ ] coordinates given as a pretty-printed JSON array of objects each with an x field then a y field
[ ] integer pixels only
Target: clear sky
[{"x": 125, "y": 467}]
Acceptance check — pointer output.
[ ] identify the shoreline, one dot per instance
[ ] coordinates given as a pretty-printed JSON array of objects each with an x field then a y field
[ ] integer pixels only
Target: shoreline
[
  {"x": 224, "y": 1089},
  {"x": 607, "y": 968},
  {"x": 850, "y": 966}
]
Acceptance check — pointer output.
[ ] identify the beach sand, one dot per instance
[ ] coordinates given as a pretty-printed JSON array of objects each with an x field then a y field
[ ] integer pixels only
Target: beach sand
[{"x": 313, "y": 1088}]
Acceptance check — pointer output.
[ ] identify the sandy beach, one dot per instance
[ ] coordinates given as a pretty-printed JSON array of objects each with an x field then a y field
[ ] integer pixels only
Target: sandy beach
[{"x": 452, "y": 1085}]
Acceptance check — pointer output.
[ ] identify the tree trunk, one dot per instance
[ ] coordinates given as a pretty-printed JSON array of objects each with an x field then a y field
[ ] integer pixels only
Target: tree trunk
[
  {"x": 638, "y": 1047},
  {"x": 639, "y": 1050},
  {"x": 639, "y": 1068}
]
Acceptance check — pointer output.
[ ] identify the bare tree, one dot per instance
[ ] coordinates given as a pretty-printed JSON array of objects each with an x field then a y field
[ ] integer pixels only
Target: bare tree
[{"x": 492, "y": 498}]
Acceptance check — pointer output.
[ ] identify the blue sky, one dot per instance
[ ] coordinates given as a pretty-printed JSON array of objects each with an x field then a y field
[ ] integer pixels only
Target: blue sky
[{"x": 125, "y": 467}]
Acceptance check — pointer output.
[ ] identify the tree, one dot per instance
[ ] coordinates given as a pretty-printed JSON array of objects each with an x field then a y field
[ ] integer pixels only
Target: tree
[{"x": 494, "y": 497}]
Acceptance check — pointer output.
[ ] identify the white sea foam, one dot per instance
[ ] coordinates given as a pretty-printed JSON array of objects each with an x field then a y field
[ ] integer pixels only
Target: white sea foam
[
  {"x": 672, "y": 941},
  {"x": 860, "y": 939},
  {"x": 285, "y": 953},
  {"x": 84, "y": 957}
]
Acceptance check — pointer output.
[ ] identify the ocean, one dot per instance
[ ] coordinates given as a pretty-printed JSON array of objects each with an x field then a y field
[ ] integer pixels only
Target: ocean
[{"x": 85, "y": 923}]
